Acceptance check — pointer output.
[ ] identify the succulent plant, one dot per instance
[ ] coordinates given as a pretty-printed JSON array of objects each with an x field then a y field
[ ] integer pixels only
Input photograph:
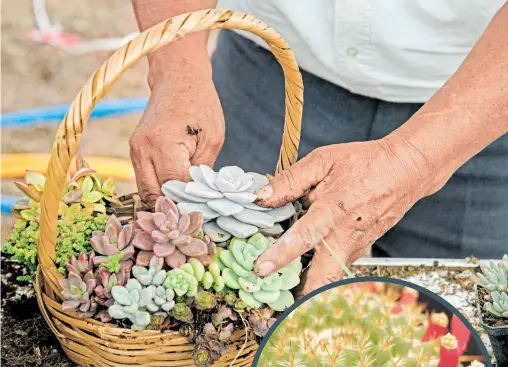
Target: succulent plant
[
  {"x": 211, "y": 345},
  {"x": 226, "y": 199},
  {"x": 129, "y": 304},
  {"x": 105, "y": 283},
  {"x": 81, "y": 264},
  {"x": 182, "y": 312},
  {"x": 494, "y": 277},
  {"x": 77, "y": 290},
  {"x": 154, "y": 275},
  {"x": 183, "y": 281},
  {"x": 169, "y": 235},
  {"x": 205, "y": 300},
  {"x": 498, "y": 305},
  {"x": 237, "y": 262},
  {"x": 84, "y": 187},
  {"x": 223, "y": 314},
  {"x": 261, "y": 321},
  {"x": 114, "y": 244}
]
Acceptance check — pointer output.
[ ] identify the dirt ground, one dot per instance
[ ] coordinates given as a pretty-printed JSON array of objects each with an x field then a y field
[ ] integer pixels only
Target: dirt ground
[{"x": 37, "y": 75}]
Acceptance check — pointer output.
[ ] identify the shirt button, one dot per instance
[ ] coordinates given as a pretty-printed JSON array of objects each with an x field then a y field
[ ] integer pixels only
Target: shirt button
[{"x": 351, "y": 51}]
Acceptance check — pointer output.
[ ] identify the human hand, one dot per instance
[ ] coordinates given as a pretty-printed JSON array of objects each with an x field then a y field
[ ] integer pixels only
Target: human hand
[
  {"x": 358, "y": 192},
  {"x": 183, "y": 125}
]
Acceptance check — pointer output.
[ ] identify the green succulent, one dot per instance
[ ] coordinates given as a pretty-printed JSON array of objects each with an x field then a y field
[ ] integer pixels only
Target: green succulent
[
  {"x": 205, "y": 300},
  {"x": 182, "y": 312},
  {"x": 494, "y": 277},
  {"x": 237, "y": 263},
  {"x": 499, "y": 304},
  {"x": 230, "y": 298},
  {"x": 74, "y": 231},
  {"x": 182, "y": 280},
  {"x": 80, "y": 213}
]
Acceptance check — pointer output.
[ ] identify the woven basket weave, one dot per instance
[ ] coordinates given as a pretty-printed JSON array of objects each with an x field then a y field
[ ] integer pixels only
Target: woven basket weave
[{"x": 90, "y": 342}]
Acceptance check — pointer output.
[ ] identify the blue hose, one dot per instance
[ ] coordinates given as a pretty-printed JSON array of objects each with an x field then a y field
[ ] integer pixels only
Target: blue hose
[
  {"x": 107, "y": 108},
  {"x": 7, "y": 203}
]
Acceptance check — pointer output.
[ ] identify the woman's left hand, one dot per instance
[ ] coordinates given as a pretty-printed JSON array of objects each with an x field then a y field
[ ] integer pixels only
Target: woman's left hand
[{"x": 358, "y": 192}]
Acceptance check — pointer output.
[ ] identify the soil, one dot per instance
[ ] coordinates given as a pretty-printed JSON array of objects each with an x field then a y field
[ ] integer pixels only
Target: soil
[{"x": 26, "y": 339}]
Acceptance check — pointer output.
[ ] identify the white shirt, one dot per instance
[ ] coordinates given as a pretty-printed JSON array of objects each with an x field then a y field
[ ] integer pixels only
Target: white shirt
[{"x": 394, "y": 50}]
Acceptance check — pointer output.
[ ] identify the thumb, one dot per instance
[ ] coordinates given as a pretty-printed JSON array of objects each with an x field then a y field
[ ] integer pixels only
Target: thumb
[
  {"x": 306, "y": 233},
  {"x": 292, "y": 183}
]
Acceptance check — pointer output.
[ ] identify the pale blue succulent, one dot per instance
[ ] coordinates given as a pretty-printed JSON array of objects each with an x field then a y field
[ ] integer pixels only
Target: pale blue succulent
[
  {"x": 143, "y": 296},
  {"x": 499, "y": 304},
  {"x": 154, "y": 275},
  {"x": 494, "y": 276},
  {"x": 128, "y": 305},
  {"x": 237, "y": 263}
]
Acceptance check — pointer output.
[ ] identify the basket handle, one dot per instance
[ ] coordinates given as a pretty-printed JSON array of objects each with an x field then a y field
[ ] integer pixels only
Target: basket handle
[{"x": 68, "y": 135}]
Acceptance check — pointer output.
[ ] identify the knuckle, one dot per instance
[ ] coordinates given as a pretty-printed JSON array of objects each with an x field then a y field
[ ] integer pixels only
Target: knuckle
[
  {"x": 135, "y": 142},
  {"x": 287, "y": 178}
]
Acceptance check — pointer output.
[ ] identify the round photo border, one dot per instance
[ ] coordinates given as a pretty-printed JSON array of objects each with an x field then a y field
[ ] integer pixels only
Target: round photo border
[{"x": 434, "y": 296}]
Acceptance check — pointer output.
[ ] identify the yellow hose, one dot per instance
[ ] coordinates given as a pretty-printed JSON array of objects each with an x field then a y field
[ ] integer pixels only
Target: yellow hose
[{"x": 15, "y": 164}]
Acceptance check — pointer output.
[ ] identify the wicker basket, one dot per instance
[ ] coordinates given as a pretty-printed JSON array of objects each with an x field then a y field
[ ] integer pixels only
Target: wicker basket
[{"x": 90, "y": 342}]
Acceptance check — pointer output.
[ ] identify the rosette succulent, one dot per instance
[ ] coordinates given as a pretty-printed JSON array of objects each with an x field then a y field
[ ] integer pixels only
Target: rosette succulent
[
  {"x": 77, "y": 290},
  {"x": 494, "y": 278},
  {"x": 84, "y": 187},
  {"x": 114, "y": 244},
  {"x": 105, "y": 283},
  {"x": 129, "y": 305},
  {"x": 145, "y": 294},
  {"x": 498, "y": 305},
  {"x": 226, "y": 199},
  {"x": 211, "y": 345},
  {"x": 261, "y": 321},
  {"x": 169, "y": 235},
  {"x": 182, "y": 281},
  {"x": 237, "y": 262}
]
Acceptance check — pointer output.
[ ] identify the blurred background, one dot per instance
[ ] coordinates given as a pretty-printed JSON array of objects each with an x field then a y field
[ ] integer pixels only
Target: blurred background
[{"x": 35, "y": 74}]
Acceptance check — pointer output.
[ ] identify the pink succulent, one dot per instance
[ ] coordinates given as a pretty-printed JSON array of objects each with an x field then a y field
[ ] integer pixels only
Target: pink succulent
[
  {"x": 82, "y": 264},
  {"x": 169, "y": 235},
  {"x": 114, "y": 240},
  {"x": 77, "y": 292}
]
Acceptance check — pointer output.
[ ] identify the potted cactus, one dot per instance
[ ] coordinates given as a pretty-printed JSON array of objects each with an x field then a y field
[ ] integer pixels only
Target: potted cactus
[
  {"x": 366, "y": 324},
  {"x": 492, "y": 302}
]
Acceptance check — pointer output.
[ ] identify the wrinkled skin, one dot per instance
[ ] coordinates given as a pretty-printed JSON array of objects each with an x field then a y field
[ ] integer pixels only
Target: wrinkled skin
[
  {"x": 358, "y": 192},
  {"x": 162, "y": 146}
]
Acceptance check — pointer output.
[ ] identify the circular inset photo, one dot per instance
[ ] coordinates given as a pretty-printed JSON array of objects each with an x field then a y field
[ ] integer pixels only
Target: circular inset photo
[{"x": 372, "y": 322}]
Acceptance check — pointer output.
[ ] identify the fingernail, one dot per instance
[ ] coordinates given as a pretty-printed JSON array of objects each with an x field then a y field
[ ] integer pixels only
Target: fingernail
[
  {"x": 264, "y": 193},
  {"x": 265, "y": 268}
]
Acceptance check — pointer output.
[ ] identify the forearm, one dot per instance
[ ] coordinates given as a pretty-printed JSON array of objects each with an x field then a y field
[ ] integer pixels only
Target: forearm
[
  {"x": 468, "y": 113},
  {"x": 184, "y": 58}
]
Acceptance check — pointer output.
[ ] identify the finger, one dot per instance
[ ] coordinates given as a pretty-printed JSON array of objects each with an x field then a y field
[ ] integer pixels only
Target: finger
[
  {"x": 172, "y": 163},
  {"x": 306, "y": 233},
  {"x": 206, "y": 153},
  {"x": 146, "y": 180},
  {"x": 324, "y": 268},
  {"x": 292, "y": 183}
]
